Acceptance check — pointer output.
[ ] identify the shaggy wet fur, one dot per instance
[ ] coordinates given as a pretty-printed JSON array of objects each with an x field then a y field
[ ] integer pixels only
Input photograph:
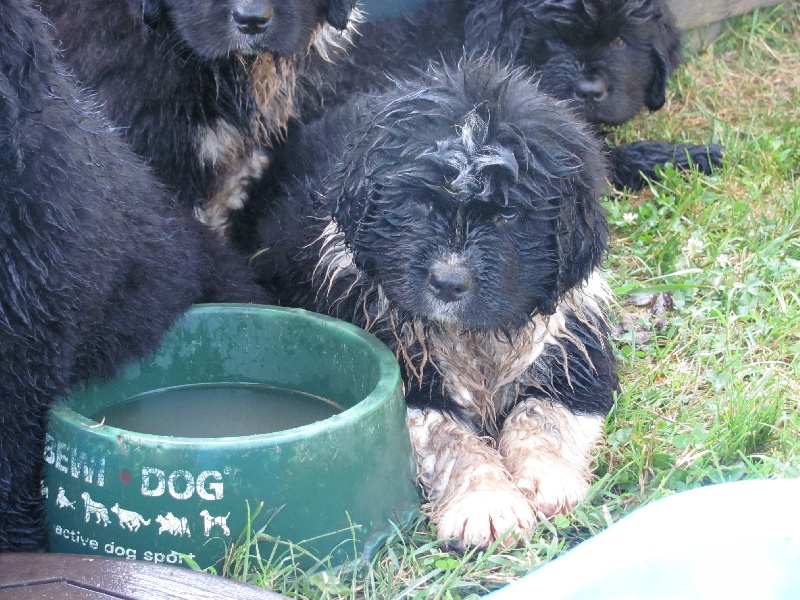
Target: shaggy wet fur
[
  {"x": 609, "y": 59},
  {"x": 201, "y": 88},
  {"x": 96, "y": 258},
  {"x": 457, "y": 218}
]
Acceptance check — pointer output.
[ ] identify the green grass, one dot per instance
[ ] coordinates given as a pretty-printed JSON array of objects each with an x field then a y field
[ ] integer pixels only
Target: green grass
[{"x": 710, "y": 387}]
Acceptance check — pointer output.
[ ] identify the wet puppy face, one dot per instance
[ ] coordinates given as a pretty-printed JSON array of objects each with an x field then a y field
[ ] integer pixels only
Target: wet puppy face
[
  {"x": 476, "y": 204},
  {"x": 219, "y": 28}
]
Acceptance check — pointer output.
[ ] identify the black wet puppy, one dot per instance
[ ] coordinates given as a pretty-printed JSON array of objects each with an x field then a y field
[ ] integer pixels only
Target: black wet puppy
[
  {"x": 457, "y": 218},
  {"x": 610, "y": 59},
  {"x": 198, "y": 86},
  {"x": 96, "y": 258}
]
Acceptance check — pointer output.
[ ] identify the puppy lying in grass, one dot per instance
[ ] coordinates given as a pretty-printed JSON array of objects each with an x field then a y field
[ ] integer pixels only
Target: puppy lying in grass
[{"x": 457, "y": 218}]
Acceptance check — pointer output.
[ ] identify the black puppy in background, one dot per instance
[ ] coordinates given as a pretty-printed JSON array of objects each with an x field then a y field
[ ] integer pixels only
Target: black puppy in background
[
  {"x": 457, "y": 217},
  {"x": 609, "y": 59},
  {"x": 199, "y": 88},
  {"x": 97, "y": 259}
]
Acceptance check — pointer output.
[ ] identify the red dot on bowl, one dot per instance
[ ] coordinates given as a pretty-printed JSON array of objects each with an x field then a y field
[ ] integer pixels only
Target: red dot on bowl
[{"x": 125, "y": 476}]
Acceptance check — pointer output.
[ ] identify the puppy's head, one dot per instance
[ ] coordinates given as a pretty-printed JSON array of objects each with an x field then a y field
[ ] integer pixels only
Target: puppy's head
[
  {"x": 472, "y": 198},
  {"x": 219, "y": 28},
  {"x": 609, "y": 58}
]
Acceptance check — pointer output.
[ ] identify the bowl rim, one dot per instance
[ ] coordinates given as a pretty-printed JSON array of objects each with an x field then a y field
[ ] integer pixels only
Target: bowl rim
[{"x": 388, "y": 384}]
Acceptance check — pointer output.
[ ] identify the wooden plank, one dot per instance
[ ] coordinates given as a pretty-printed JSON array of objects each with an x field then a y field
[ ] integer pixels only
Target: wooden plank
[
  {"x": 61, "y": 590},
  {"x": 694, "y": 13},
  {"x": 66, "y": 576}
]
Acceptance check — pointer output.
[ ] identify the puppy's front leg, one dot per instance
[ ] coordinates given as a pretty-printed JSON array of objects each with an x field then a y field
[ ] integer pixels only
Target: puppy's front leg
[
  {"x": 631, "y": 163},
  {"x": 548, "y": 452},
  {"x": 471, "y": 496}
]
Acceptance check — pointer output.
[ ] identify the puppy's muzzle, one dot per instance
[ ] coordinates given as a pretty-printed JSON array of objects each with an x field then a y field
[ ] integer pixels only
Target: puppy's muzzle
[
  {"x": 449, "y": 282},
  {"x": 591, "y": 89},
  {"x": 252, "y": 16}
]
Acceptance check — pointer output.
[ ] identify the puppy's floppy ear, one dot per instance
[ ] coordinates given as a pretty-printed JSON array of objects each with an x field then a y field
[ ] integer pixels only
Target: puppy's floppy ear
[
  {"x": 583, "y": 250},
  {"x": 665, "y": 54},
  {"x": 656, "y": 92},
  {"x": 350, "y": 202},
  {"x": 669, "y": 38},
  {"x": 350, "y": 183},
  {"x": 338, "y": 13}
]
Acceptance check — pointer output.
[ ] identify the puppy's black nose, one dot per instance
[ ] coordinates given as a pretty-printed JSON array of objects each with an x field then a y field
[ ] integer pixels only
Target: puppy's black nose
[
  {"x": 449, "y": 283},
  {"x": 252, "y": 16},
  {"x": 592, "y": 89}
]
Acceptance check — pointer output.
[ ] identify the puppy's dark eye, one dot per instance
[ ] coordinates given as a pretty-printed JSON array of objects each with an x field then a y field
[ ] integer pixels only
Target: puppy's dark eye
[
  {"x": 507, "y": 213},
  {"x": 618, "y": 42}
]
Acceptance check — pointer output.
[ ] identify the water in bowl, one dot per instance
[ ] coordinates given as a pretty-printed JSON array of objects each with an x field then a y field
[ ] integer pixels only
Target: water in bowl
[{"x": 217, "y": 410}]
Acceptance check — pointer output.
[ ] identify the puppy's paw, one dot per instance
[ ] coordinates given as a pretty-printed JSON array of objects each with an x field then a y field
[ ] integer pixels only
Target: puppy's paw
[
  {"x": 480, "y": 517},
  {"x": 703, "y": 158},
  {"x": 554, "y": 486},
  {"x": 547, "y": 450},
  {"x": 633, "y": 164}
]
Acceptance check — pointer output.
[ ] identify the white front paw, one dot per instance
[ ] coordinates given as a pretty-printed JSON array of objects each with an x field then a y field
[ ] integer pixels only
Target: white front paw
[
  {"x": 480, "y": 517},
  {"x": 553, "y": 486}
]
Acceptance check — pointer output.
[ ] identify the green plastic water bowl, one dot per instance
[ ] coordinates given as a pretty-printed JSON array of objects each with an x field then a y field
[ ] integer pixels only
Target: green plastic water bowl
[{"x": 333, "y": 487}]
